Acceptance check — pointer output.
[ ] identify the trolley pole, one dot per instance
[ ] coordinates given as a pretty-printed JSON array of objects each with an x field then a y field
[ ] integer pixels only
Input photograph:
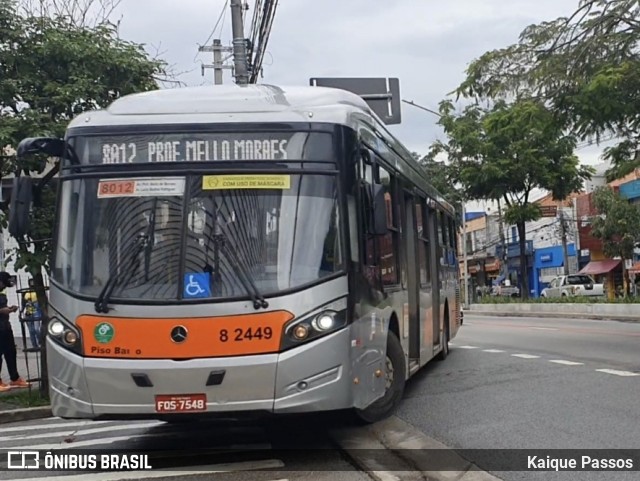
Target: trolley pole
[{"x": 239, "y": 44}]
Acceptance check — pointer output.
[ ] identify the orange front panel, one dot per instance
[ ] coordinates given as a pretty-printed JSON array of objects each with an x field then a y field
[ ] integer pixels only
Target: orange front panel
[{"x": 137, "y": 338}]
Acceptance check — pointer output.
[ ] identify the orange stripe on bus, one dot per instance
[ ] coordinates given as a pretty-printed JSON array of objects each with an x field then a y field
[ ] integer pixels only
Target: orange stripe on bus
[{"x": 145, "y": 338}]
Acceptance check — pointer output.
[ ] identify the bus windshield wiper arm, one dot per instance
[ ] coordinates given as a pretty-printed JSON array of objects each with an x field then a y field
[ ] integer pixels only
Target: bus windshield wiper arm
[
  {"x": 131, "y": 263},
  {"x": 142, "y": 241},
  {"x": 245, "y": 279}
]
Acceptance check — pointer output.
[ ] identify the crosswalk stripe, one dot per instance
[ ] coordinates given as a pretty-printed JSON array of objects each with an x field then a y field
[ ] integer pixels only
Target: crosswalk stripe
[
  {"x": 525, "y": 356},
  {"x": 102, "y": 441},
  {"x": 467, "y": 347},
  {"x": 492, "y": 350},
  {"x": 567, "y": 363},
  {"x": 166, "y": 473},
  {"x": 90, "y": 442},
  {"x": 62, "y": 423},
  {"x": 618, "y": 373},
  {"x": 82, "y": 432}
]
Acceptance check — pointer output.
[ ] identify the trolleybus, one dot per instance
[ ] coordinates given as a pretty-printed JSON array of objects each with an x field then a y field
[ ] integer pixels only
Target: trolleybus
[{"x": 243, "y": 249}]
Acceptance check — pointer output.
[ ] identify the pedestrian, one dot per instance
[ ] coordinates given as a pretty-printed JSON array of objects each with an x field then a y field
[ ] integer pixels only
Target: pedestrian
[
  {"x": 8, "y": 348},
  {"x": 32, "y": 314}
]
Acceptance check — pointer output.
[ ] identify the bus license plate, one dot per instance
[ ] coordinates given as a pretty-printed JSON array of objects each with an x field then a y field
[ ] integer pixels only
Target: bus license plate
[{"x": 180, "y": 403}]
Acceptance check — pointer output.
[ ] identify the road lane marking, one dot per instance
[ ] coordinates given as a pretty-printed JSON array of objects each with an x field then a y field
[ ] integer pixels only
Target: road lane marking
[
  {"x": 62, "y": 445},
  {"x": 80, "y": 432},
  {"x": 525, "y": 356},
  {"x": 619, "y": 373},
  {"x": 567, "y": 363},
  {"x": 466, "y": 347},
  {"x": 61, "y": 424},
  {"x": 81, "y": 444},
  {"x": 166, "y": 473},
  {"x": 545, "y": 328},
  {"x": 492, "y": 350}
]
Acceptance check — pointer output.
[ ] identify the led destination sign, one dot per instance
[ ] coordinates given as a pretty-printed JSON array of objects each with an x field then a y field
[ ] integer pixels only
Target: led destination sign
[
  {"x": 133, "y": 149},
  {"x": 194, "y": 150}
]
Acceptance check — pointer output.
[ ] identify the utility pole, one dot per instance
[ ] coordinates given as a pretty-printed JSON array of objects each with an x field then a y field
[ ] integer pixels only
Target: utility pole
[
  {"x": 218, "y": 61},
  {"x": 464, "y": 256},
  {"x": 239, "y": 44},
  {"x": 503, "y": 261},
  {"x": 565, "y": 249}
]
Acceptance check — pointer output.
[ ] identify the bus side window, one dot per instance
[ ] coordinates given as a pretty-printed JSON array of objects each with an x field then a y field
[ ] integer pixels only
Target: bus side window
[
  {"x": 422, "y": 223},
  {"x": 389, "y": 243},
  {"x": 452, "y": 240},
  {"x": 366, "y": 174}
]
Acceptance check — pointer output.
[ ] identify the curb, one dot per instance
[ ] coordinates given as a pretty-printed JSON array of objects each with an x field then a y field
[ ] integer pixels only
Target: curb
[
  {"x": 548, "y": 315},
  {"x": 26, "y": 414},
  {"x": 394, "y": 438}
]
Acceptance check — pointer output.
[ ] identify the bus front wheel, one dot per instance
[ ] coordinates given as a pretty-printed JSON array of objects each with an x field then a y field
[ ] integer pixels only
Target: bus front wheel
[{"x": 395, "y": 381}]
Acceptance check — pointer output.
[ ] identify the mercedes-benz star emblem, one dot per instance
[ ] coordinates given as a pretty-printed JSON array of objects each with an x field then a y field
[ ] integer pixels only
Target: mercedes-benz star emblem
[{"x": 179, "y": 334}]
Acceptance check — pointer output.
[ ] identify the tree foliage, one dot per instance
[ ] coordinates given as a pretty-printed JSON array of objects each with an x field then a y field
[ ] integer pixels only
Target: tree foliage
[
  {"x": 81, "y": 13},
  {"x": 441, "y": 176},
  {"x": 505, "y": 152},
  {"x": 617, "y": 224},
  {"x": 585, "y": 67},
  {"x": 51, "y": 70}
]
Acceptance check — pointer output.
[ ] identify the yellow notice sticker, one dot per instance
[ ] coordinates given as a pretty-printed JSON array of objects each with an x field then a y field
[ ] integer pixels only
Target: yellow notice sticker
[{"x": 243, "y": 181}]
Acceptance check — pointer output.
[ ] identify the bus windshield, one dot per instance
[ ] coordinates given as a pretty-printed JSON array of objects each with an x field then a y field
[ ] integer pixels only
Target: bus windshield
[{"x": 203, "y": 232}]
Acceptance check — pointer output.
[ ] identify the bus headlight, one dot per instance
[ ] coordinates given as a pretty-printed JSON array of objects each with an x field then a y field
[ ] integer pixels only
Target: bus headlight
[
  {"x": 64, "y": 334},
  {"x": 323, "y": 322},
  {"x": 313, "y": 327},
  {"x": 56, "y": 328}
]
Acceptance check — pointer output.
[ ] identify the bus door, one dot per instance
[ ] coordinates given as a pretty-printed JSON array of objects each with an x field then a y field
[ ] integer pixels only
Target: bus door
[
  {"x": 413, "y": 274},
  {"x": 427, "y": 281},
  {"x": 435, "y": 234}
]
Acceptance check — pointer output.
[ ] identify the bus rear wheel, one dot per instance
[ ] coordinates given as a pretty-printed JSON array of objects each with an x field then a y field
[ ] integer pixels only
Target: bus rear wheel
[{"x": 395, "y": 382}]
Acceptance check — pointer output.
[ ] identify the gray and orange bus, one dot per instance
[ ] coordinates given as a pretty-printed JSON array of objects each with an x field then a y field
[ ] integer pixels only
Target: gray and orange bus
[{"x": 243, "y": 249}]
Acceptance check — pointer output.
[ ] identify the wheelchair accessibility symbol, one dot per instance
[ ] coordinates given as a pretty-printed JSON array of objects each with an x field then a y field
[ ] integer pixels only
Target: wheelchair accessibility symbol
[{"x": 197, "y": 285}]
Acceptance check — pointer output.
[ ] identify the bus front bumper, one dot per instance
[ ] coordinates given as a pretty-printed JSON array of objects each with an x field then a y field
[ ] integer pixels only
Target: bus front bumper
[{"x": 312, "y": 377}]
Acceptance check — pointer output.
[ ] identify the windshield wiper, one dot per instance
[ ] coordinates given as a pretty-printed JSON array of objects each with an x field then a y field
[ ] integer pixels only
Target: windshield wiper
[
  {"x": 133, "y": 262},
  {"x": 245, "y": 279}
]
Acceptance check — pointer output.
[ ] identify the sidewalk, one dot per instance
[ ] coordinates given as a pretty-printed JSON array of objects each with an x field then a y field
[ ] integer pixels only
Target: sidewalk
[{"x": 28, "y": 368}]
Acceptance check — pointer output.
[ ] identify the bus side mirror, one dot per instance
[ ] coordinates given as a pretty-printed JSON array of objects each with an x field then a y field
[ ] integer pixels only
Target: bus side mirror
[
  {"x": 379, "y": 210},
  {"x": 20, "y": 206},
  {"x": 50, "y": 146}
]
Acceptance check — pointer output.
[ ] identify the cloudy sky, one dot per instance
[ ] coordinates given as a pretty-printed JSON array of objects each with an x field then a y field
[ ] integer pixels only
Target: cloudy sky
[{"x": 427, "y": 44}]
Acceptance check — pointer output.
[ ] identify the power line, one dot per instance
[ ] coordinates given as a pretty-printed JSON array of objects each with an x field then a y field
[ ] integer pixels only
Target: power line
[{"x": 222, "y": 14}]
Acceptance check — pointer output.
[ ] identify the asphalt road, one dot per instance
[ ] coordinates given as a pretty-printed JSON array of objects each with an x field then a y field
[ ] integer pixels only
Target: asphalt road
[
  {"x": 531, "y": 383},
  {"x": 293, "y": 449}
]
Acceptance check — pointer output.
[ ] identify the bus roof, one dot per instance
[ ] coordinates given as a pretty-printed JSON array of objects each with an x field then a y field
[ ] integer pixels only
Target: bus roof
[
  {"x": 247, "y": 103},
  {"x": 228, "y": 103}
]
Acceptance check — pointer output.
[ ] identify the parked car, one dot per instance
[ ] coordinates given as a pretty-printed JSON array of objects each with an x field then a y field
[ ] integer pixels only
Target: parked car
[
  {"x": 505, "y": 290},
  {"x": 573, "y": 285}
]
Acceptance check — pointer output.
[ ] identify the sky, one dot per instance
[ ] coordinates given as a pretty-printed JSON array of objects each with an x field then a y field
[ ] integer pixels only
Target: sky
[{"x": 426, "y": 44}]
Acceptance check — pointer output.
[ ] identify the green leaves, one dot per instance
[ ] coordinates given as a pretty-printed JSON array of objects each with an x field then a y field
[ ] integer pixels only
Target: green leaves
[
  {"x": 51, "y": 70},
  {"x": 504, "y": 152},
  {"x": 585, "y": 68},
  {"x": 618, "y": 225}
]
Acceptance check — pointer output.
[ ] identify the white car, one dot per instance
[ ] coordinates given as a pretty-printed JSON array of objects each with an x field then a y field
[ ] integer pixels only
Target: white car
[{"x": 572, "y": 285}]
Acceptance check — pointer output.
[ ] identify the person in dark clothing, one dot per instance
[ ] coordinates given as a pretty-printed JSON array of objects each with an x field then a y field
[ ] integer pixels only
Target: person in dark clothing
[{"x": 7, "y": 341}]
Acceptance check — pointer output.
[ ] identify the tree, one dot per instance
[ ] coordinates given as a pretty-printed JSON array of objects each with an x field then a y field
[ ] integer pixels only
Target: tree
[
  {"x": 505, "y": 152},
  {"x": 585, "y": 67},
  {"x": 81, "y": 13},
  {"x": 52, "y": 69},
  {"x": 441, "y": 176},
  {"x": 617, "y": 225}
]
